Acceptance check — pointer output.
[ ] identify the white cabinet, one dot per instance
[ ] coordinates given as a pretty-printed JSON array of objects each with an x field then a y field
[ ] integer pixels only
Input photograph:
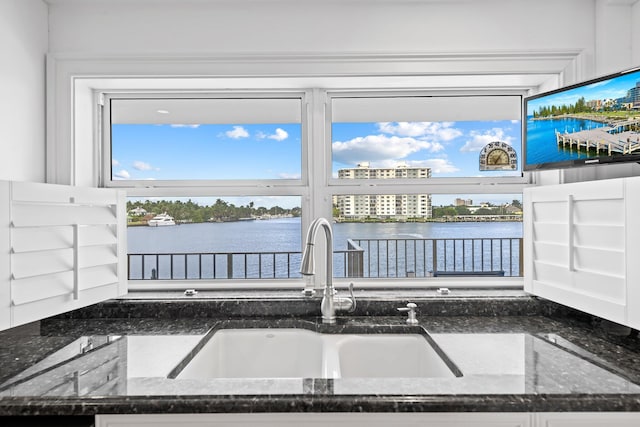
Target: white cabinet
[
  {"x": 62, "y": 248},
  {"x": 452, "y": 419},
  {"x": 586, "y": 419},
  {"x": 633, "y": 252},
  {"x": 582, "y": 245}
]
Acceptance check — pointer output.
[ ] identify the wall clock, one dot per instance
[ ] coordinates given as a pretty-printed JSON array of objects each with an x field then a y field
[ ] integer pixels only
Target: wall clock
[{"x": 498, "y": 155}]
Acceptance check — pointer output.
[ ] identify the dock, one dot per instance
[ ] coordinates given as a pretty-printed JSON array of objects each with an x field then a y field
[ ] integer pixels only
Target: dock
[{"x": 619, "y": 138}]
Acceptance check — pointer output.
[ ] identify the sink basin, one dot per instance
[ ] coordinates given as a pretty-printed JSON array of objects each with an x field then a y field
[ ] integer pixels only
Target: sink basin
[
  {"x": 258, "y": 353},
  {"x": 300, "y": 353},
  {"x": 388, "y": 355}
]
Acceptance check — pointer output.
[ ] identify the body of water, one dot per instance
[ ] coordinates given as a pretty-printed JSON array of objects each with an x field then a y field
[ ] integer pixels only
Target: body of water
[
  {"x": 284, "y": 235},
  {"x": 388, "y": 249},
  {"x": 541, "y": 139}
]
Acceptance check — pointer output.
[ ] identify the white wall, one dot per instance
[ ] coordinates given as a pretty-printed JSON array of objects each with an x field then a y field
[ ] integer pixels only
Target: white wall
[
  {"x": 613, "y": 28},
  {"x": 635, "y": 34},
  {"x": 327, "y": 26},
  {"x": 602, "y": 31},
  {"x": 23, "y": 43},
  {"x": 118, "y": 27}
]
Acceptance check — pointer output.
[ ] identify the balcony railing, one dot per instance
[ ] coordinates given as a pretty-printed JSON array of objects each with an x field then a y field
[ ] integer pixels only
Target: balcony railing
[{"x": 375, "y": 258}]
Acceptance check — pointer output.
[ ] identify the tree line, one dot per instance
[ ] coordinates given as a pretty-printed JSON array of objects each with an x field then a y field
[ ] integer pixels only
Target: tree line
[
  {"x": 548, "y": 111},
  {"x": 446, "y": 211},
  {"x": 221, "y": 210}
]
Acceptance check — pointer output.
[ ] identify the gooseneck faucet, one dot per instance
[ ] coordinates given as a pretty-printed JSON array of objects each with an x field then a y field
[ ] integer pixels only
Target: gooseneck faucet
[{"x": 330, "y": 302}]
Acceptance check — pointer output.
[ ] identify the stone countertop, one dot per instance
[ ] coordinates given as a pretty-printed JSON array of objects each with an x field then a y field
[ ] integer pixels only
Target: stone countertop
[{"x": 514, "y": 363}]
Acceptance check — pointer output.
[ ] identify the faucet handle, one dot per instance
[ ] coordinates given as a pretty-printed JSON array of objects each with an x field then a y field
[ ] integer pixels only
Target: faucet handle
[
  {"x": 411, "y": 311},
  {"x": 353, "y": 298},
  {"x": 347, "y": 304}
]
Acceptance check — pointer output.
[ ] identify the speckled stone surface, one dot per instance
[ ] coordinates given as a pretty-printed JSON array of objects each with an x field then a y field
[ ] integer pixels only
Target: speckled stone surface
[
  {"x": 515, "y": 353},
  {"x": 235, "y": 304}
]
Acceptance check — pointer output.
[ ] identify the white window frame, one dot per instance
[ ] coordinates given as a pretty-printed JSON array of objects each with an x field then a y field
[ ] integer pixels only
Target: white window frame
[
  {"x": 436, "y": 185},
  {"x": 75, "y": 83},
  {"x": 214, "y": 187},
  {"x": 315, "y": 188},
  {"x": 105, "y": 170}
]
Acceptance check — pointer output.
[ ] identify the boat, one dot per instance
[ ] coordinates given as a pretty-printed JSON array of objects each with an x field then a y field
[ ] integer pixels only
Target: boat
[{"x": 161, "y": 220}]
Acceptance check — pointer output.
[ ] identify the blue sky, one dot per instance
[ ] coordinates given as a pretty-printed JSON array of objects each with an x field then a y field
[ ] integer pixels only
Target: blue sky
[
  {"x": 166, "y": 152},
  {"x": 273, "y": 151},
  {"x": 606, "y": 89}
]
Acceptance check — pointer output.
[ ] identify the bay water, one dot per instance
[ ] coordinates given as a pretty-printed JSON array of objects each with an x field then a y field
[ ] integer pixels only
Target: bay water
[
  {"x": 284, "y": 234},
  {"x": 382, "y": 259},
  {"x": 542, "y": 146}
]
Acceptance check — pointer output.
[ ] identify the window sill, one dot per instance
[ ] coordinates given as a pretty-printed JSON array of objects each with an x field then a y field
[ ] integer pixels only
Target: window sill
[{"x": 367, "y": 294}]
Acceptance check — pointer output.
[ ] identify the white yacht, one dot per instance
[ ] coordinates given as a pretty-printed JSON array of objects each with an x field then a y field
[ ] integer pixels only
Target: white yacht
[{"x": 161, "y": 220}]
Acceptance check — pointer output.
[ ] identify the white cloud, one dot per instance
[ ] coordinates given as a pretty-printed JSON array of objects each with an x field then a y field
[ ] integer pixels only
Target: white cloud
[
  {"x": 114, "y": 162},
  {"x": 280, "y": 135},
  {"x": 285, "y": 175},
  {"x": 596, "y": 84},
  {"x": 143, "y": 166},
  {"x": 479, "y": 140},
  {"x": 123, "y": 174},
  {"x": 191, "y": 126},
  {"x": 440, "y": 131},
  {"x": 237, "y": 132},
  {"x": 379, "y": 147},
  {"x": 438, "y": 166}
]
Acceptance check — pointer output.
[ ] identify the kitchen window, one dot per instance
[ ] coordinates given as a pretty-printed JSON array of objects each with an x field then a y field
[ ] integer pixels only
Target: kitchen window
[
  {"x": 279, "y": 159},
  {"x": 417, "y": 162},
  {"x": 215, "y": 184}
]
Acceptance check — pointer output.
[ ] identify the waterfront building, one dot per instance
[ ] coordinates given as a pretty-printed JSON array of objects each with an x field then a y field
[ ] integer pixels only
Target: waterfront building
[
  {"x": 634, "y": 96},
  {"x": 137, "y": 212},
  {"x": 463, "y": 202},
  {"x": 396, "y": 206},
  {"x": 594, "y": 104}
]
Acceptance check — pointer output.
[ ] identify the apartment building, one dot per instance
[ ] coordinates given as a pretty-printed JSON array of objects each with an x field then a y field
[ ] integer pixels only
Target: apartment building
[{"x": 388, "y": 206}]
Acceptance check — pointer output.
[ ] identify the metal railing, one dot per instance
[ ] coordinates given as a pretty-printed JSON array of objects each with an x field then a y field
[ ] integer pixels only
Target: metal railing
[
  {"x": 377, "y": 258},
  {"x": 429, "y": 257}
]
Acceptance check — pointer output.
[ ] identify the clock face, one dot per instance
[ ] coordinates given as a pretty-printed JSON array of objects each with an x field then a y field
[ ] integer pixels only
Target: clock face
[{"x": 498, "y": 156}]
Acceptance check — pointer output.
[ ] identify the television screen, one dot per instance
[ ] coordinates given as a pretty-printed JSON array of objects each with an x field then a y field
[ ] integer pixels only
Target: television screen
[{"x": 593, "y": 122}]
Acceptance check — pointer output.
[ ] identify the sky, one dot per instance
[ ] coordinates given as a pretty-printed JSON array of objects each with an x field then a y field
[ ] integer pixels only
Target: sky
[
  {"x": 273, "y": 151},
  {"x": 605, "y": 89},
  {"x": 174, "y": 152},
  {"x": 450, "y": 149}
]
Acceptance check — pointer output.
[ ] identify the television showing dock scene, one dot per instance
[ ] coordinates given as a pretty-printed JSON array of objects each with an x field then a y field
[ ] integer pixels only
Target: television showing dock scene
[{"x": 593, "y": 122}]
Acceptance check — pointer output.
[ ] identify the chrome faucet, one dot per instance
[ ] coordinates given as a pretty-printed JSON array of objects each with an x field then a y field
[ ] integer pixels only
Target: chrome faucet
[{"x": 330, "y": 302}]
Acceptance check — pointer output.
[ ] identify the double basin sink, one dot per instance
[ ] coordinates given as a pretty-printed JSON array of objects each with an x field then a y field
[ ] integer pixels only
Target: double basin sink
[{"x": 302, "y": 353}]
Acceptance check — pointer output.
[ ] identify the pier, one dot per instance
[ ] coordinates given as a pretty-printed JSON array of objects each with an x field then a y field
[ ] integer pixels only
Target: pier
[{"x": 619, "y": 138}]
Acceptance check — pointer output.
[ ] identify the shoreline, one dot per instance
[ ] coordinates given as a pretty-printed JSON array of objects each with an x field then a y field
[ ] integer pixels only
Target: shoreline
[
  {"x": 461, "y": 218},
  {"x": 424, "y": 221},
  {"x": 607, "y": 120}
]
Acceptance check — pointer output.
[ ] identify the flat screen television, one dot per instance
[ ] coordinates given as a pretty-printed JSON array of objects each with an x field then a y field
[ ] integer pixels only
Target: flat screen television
[{"x": 593, "y": 122}]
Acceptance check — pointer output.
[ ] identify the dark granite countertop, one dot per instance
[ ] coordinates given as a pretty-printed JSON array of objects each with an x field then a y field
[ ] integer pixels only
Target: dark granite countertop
[{"x": 515, "y": 353}]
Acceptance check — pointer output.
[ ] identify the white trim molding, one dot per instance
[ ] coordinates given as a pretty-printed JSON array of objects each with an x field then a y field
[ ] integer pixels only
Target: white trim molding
[{"x": 72, "y": 80}]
